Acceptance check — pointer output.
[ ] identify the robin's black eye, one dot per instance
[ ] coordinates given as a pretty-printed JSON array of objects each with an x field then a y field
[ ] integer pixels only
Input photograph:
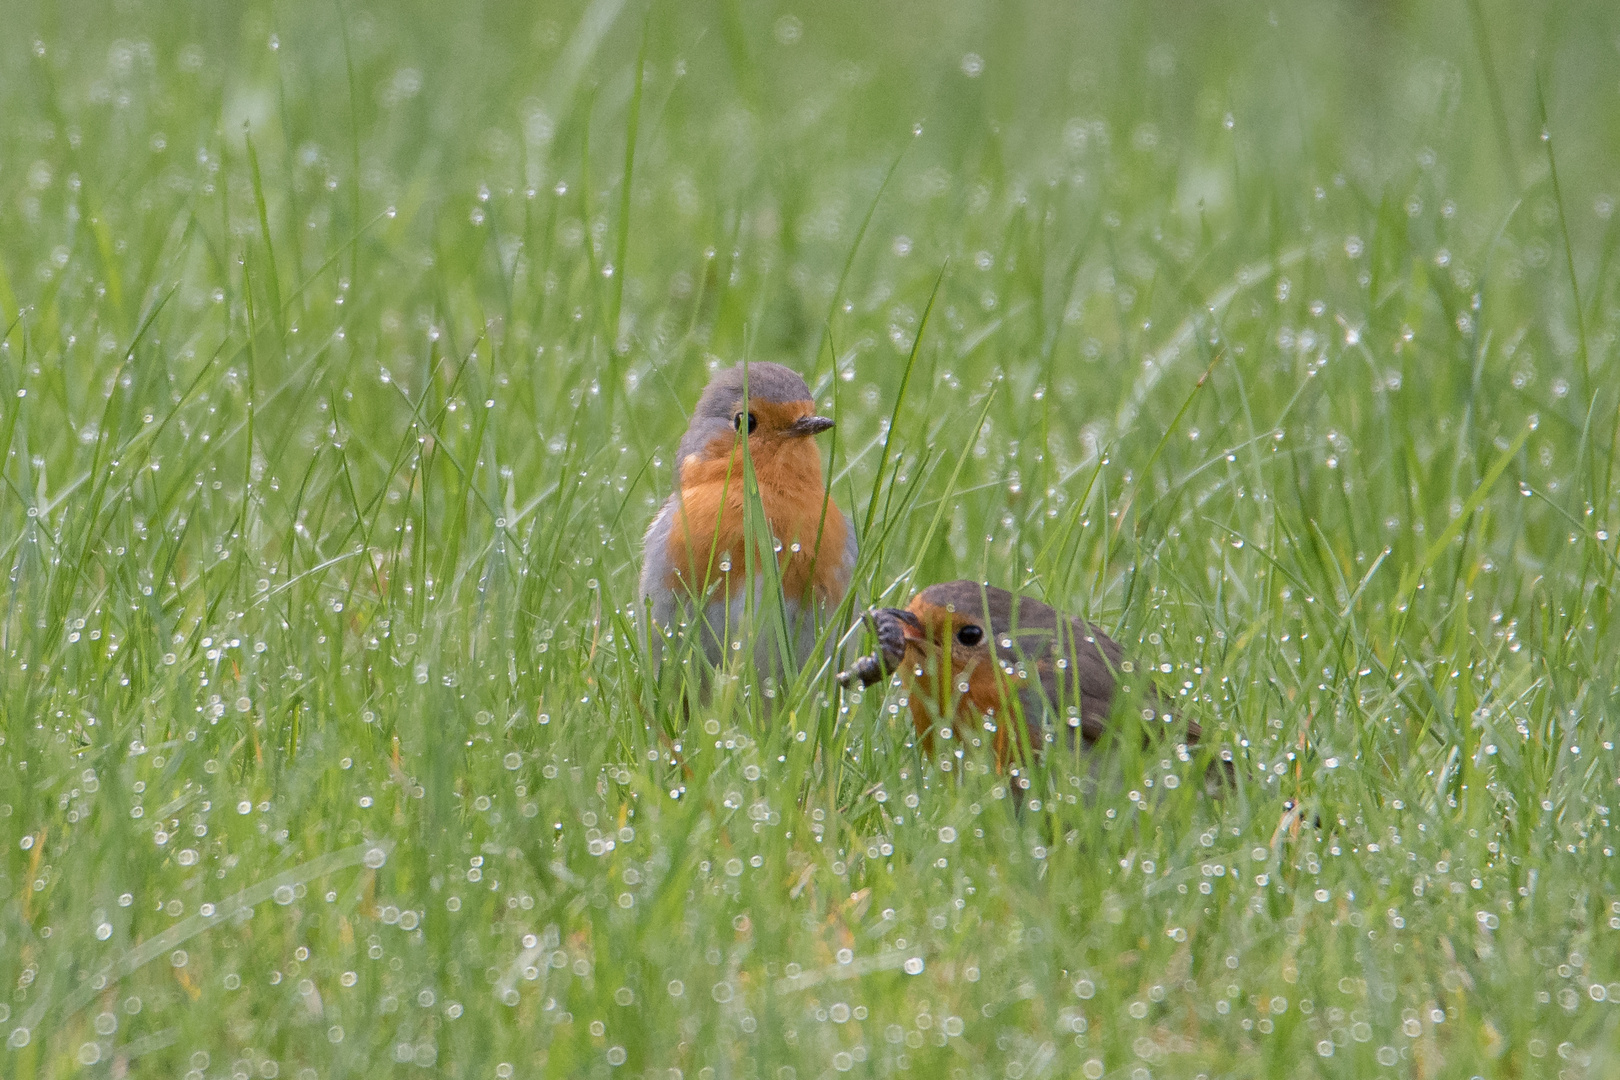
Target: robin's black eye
[
  {"x": 752, "y": 421},
  {"x": 970, "y": 635}
]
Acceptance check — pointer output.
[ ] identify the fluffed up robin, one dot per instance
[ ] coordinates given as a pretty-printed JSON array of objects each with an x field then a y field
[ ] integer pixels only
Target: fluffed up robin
[
  {"x": 992, "y": 660},
  {"x": 697, "y": 565}
]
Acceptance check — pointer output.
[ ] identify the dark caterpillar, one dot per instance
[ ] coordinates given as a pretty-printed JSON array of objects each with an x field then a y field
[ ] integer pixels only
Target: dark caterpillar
[{"x": 889, "y": 625}]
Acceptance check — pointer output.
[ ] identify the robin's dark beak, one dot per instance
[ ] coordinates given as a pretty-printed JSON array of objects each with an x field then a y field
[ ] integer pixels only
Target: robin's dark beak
[
  {"x": 808, "y": 425},
  {"x": 911, "y": 626}
]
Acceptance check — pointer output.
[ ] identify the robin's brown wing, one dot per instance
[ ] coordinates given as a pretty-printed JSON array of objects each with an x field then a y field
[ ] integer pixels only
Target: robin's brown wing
[
  {"x": 1078, "y": 666},
  {"x": 1075, "y": 665},
  {"x": 1097, "y": 660}
]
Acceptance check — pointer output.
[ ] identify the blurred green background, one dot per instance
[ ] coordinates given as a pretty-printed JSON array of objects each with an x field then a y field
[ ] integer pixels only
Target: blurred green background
[{"x": 344, "y": 351}]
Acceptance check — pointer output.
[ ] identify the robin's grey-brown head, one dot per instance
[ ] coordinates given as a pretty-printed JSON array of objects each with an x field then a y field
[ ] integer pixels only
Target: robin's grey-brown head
[
  {"x": 766, "y": 400},
  {"x": 980, "y": 615}
]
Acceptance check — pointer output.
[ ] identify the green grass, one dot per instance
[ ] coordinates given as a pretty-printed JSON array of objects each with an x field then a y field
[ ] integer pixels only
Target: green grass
[{"x": 345, "y": 350}]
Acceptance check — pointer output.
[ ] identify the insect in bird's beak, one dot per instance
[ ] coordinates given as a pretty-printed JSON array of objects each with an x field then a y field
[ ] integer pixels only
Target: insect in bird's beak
[
  {"x": 809, "y": 425},
  {"x": 895, "y": 629}
]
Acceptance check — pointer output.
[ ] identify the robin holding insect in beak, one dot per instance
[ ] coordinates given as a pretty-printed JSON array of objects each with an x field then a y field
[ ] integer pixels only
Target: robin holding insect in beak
[
  {"x": 995, "y": 661},
  {"x": 697, "y": 563}
]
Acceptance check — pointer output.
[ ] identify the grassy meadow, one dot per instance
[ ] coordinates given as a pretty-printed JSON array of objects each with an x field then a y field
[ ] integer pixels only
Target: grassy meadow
[{"x": 343, "y": 352}]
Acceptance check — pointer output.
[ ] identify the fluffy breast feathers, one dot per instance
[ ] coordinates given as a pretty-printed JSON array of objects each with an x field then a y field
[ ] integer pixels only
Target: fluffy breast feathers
[{"x": 707, "y": 540}]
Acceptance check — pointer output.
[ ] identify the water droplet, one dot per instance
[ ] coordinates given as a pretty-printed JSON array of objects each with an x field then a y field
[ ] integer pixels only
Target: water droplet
[{"x": 788, "y": 29}]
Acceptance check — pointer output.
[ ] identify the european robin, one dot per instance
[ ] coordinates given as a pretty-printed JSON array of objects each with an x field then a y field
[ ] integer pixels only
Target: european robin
[
  {"x": 996, "y": 662},
  {"x": 697, "y": 565}
]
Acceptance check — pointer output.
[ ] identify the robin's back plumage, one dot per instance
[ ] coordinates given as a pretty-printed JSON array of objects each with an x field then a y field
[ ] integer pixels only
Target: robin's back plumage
[{"x": 697, "y": 553}]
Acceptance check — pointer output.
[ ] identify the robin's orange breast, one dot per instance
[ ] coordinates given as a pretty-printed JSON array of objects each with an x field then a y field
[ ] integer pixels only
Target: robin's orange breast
[
  {"x": 931, "y": 696},
  {"x": 810, "y": 528}
]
